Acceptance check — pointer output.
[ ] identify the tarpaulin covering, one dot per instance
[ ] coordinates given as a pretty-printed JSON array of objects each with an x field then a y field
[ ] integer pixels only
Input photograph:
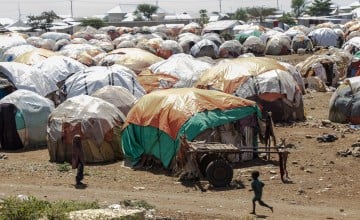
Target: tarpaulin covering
[
  {"x": 158, "y": 119},
  {"x": 183, "y": 67},
  {"x": 263, "y": 80},
  {"x": 228, "y": 75},
  {"x": 118, "y": 96},
  {"x": 93, "y": 78},
  {"x": 7, "y": 42},
  {"x": 205, "y": 47},
  {"x": 34, "y": 56},
  {"x": 23, "y": 76},
  {"x": 230, "y": 49},
  {"x": 98, "y": 123},
  {"x": 13, "y": 52},
  {"x": 345, "y": 102},
  {"x": 278, "y": 45},
  {"x": 134, "y": 58},
  {"x": 324, "y": 37},
  {"x": 35, "y": 111},
  {"x": 59, "y": 68}
]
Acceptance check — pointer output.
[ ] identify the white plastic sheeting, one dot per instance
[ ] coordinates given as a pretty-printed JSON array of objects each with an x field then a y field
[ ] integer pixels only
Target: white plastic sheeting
[
  {"x": 13, "y": 52},
  {"x": 93, "y": 78},
  {"x": 324, "y": 37},
  {"x": 35, "y": 110},
  {"x": 205, "y": 47},
  {"x": 97, "y": 121},
  {"x": 23, "y": 76},
  {"x": 118, "y": 96},
  {"x": 7, "y": 42},
  {"x": 352, "y": 45},
  {"x": 183, "y": 66},
  {"x": 274, "y": 81},
  {"x": 55, "y": 36},
  {"x": 58, "y": 68}
]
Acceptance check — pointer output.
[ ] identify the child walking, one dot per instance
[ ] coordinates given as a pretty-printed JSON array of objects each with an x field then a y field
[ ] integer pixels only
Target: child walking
[
  {"x": 257, "y": 187},
  {"x": 78, "y": 160}
]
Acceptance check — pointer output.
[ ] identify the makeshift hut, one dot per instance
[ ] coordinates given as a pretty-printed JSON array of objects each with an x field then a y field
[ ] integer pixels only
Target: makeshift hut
[
  {"x": 254, "y": 45},
  {"x": 157, "y": 121},
  {"x": 187, "y": 40},
  {"x": 324, "y": 37},
  {"x": 23, "y": 119},
  {"x": 118, "y": 96},
  {"x": 278, "y": 45},
  {"x": 230, "y": 49},
  {"x": 300, "y": 41},
  {"x": 205, "y": 47},
  {"x": 89, "y": 80},
  {"x": 13, "y": 52},
  {"x": 327, "y": 69},
  {"x": 21, "y": 76},
  {"x": 97, "y": 122},
  {"x": 34, "y": 56},
  {"x": 261, "y": 79},
  {"x": 168, "y": 48},
  {"x": 133, "y": 58},
  {"x": 345, "y": 102},
  {"x": 179, "y": 71}
]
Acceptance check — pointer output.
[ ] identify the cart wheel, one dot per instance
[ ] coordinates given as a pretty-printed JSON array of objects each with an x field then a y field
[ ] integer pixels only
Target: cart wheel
[
  {"x": 204, "y": 162},
  {"x": 219, "y": 173}
]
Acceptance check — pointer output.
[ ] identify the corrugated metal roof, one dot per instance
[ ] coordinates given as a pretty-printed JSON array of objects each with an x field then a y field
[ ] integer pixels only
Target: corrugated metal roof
[{"x": 221, "y": 25}]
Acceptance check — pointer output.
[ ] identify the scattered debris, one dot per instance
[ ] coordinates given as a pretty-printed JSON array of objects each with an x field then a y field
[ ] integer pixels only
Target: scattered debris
[
  {"x": 3, "y": 157},
  {"x": 355, "y": 151},
  {"x": 327, "y": 138}
]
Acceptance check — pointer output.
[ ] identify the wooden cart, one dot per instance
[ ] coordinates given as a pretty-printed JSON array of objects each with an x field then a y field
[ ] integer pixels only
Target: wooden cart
[{"x": 210, "y": 160}]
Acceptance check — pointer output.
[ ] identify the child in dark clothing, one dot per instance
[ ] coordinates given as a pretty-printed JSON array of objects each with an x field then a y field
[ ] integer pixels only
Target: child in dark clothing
[
  {"x": 78, "y": 160},
  {"x": 257, "y": 187}
]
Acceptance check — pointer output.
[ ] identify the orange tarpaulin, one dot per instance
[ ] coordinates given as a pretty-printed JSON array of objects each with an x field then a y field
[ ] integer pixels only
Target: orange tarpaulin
[
  {"x": 228, "y": 75},
  {"x": 176, "y": 106}
]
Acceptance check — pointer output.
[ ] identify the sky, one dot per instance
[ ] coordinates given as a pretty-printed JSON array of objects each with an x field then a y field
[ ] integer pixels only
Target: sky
[{"x": 87, "y": 8}]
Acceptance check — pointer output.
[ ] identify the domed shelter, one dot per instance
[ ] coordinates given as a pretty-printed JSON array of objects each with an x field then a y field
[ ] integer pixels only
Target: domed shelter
[
  {"x": 23, "y": 120},
  {"x": 87, "y": 81},
  {"x": 157, "y": 121},
  {"x": 133, "y": 58},
  {"x": 21, "y": 76},
  {"x": 34, "y": 56},
  {"x": 179, "y": 71},
  {"x": 95, "y": 120},
  {"x": 168, "y": 48},
  {"x": 58, "y": 68},
  {"x": 118, "y": 96},
  {"x": 230, "y": 49},
  {"x": 205, "y": 47},
  {"x": 324, "y": 37},
  {"x": 278, "y": 45},
  {"x": 263, "y": 80},
  {"x": 300, "y": 41},
  {"x": 345, "y": 102},
  {"x": 254, "y": 45}
]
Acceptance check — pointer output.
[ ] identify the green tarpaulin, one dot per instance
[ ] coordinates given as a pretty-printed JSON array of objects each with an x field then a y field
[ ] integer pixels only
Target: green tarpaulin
[{"x": 138, "y": 140}]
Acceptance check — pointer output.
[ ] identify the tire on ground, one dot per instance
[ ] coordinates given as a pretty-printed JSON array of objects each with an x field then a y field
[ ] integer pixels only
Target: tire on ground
[{"x": 219, "y": 173}]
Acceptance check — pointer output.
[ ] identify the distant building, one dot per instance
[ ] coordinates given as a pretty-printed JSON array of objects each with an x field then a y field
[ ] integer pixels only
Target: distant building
[{"x": 124, "y": 12}]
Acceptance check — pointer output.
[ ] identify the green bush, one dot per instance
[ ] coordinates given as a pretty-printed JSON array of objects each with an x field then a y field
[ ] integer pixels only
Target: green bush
[
  {"x": 64, "y": 167},
  {"x": 31, "y": 208}
]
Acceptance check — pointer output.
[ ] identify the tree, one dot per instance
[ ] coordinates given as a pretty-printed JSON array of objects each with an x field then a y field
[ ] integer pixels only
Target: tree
[
  {"x": 203, "y": 16},
  {"x": 260, "y": 12},
  {"x": 42, "y": 21},
  {"x": 147, "y": 10},
  {"x": 93, "y": 22},
  {"x": 319, "y": 8},
  {"x": 287, "y": 19},
  {"x": 298, "y": 7},
  {"x": 240, "y": 14}
]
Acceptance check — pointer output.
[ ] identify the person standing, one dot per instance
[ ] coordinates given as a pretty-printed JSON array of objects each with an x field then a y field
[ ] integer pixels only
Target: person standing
[
  {"x": 78, "y": 159},
  {"x": 257, "y": 186}
]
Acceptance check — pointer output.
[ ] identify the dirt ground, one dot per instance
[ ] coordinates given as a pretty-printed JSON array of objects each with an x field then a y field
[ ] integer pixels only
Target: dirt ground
[{"x": 324, "y": 185}]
